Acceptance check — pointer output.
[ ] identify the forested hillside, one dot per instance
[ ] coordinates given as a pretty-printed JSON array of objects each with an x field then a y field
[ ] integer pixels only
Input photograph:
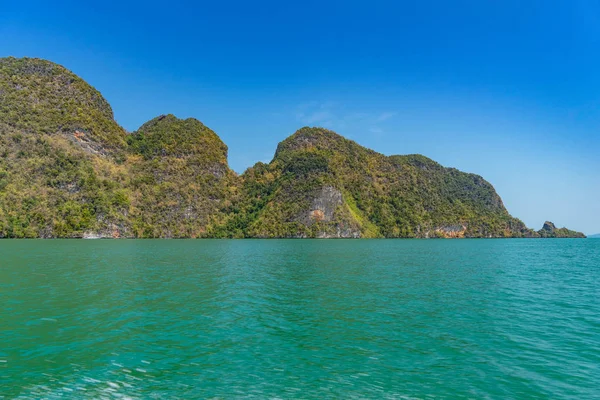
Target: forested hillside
[{"x": 67, "y": 169}]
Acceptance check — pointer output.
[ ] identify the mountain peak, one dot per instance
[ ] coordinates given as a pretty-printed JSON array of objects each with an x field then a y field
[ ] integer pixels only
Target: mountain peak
[
  {"x": 549, "y": 226},
  {"x": 40, "y": 96},
  {"x": 318, "y": 139},
  {"x": 167, "y": 135}
]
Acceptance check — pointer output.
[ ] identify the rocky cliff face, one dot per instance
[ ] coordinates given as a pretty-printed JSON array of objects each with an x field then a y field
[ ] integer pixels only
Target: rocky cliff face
[
  {"x": 324, "y": 204},
  {"x": 67, "y": 169}
]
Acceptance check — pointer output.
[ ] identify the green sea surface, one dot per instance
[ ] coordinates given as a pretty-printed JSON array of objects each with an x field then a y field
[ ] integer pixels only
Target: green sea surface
[{"x": 300, "y": 319}]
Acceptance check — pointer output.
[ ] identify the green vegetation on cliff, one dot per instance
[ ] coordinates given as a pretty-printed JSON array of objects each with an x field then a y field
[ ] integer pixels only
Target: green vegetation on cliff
[
  {"x": 50, "y": 187},
  {"x": 41, "y": 97},
  {"x": 180, "y": 179},
  {"x": 59, "y": 144},
  {"x": 321, "y": 184},
  {"x": 67, "y": 169}
]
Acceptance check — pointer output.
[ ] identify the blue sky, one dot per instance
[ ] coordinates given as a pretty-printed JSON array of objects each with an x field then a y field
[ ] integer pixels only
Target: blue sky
[{"x": 509, "y": 90}]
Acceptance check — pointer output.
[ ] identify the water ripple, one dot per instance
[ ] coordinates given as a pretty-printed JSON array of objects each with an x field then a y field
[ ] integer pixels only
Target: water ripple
[{"x": 382, "y": 319}]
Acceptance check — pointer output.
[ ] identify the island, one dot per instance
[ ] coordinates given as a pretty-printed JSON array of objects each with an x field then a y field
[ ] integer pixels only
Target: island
[{"x": 69, "y": 170}]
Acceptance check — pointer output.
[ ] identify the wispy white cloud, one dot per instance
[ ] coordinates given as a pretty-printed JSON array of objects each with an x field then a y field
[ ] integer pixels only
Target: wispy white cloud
[
  {"x": 333, "y": 115},
  {"x": 316, "y": 113},
  {"x": 315, "y": 117},
  {"x": 384, "y": 116}
]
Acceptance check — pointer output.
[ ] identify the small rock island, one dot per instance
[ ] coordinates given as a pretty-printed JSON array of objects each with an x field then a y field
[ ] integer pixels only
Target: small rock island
[{"x": 549, "y": 230}]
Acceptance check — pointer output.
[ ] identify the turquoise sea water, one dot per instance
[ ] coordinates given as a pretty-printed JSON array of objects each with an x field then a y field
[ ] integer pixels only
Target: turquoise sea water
[{"x": 300, "y": 319}]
